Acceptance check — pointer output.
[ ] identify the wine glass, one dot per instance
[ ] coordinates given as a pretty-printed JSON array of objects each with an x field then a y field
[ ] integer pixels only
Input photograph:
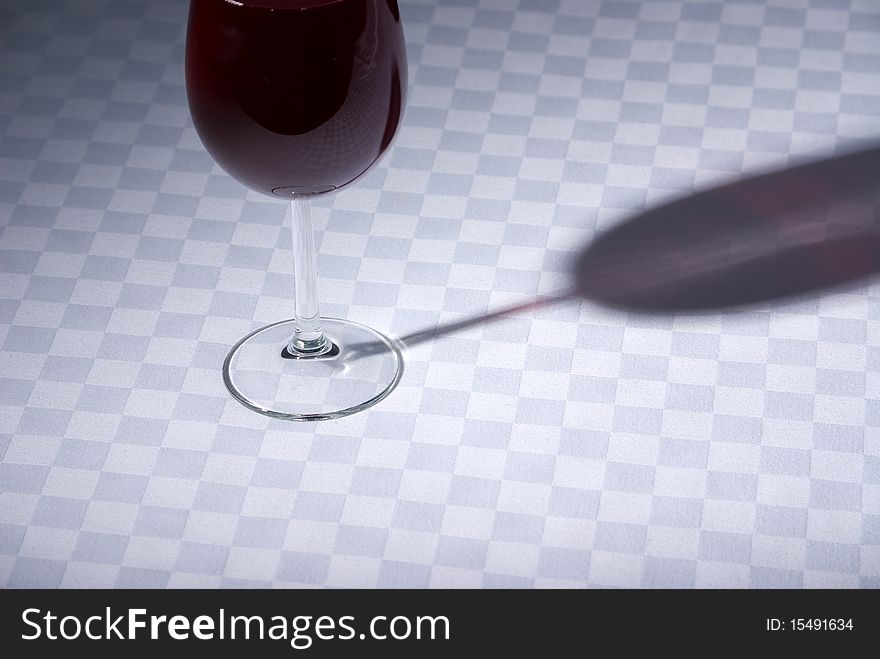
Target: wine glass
[{"x": 298, "y": 98}]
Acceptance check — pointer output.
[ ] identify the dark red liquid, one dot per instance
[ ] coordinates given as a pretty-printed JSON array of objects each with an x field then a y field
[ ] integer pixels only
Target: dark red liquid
[{"x": 295, "y": 96}]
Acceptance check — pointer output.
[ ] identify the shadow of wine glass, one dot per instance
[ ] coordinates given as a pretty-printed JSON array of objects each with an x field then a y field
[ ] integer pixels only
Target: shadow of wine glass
[{"x": 782, "y": 235}]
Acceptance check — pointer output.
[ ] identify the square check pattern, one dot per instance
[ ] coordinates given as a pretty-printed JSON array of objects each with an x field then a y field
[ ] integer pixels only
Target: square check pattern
[{"x": 563, "y": 446}]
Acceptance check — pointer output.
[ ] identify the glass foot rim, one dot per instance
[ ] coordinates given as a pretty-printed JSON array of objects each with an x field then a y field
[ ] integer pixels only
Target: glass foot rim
[{"x": 393, "y": 349}]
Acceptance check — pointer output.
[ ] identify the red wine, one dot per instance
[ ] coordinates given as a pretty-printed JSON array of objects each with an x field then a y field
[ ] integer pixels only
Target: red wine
[{"x": 295, "y": 96}]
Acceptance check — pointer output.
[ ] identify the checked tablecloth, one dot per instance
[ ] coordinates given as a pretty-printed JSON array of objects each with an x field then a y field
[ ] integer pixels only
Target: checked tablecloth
[{"x": 567, "y": 445}]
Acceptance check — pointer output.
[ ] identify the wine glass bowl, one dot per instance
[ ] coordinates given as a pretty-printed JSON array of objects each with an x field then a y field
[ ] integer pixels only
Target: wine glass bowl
[
  {"x": 298, "y": 98},
  {"x": 293, "y": 97}
]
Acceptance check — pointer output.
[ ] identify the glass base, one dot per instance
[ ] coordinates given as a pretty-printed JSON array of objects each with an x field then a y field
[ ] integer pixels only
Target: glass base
[{"x": 364, "y": 368}]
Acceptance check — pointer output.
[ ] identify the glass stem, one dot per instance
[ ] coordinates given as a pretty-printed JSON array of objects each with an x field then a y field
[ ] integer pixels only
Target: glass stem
[{"x": 308, "y": 340}]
